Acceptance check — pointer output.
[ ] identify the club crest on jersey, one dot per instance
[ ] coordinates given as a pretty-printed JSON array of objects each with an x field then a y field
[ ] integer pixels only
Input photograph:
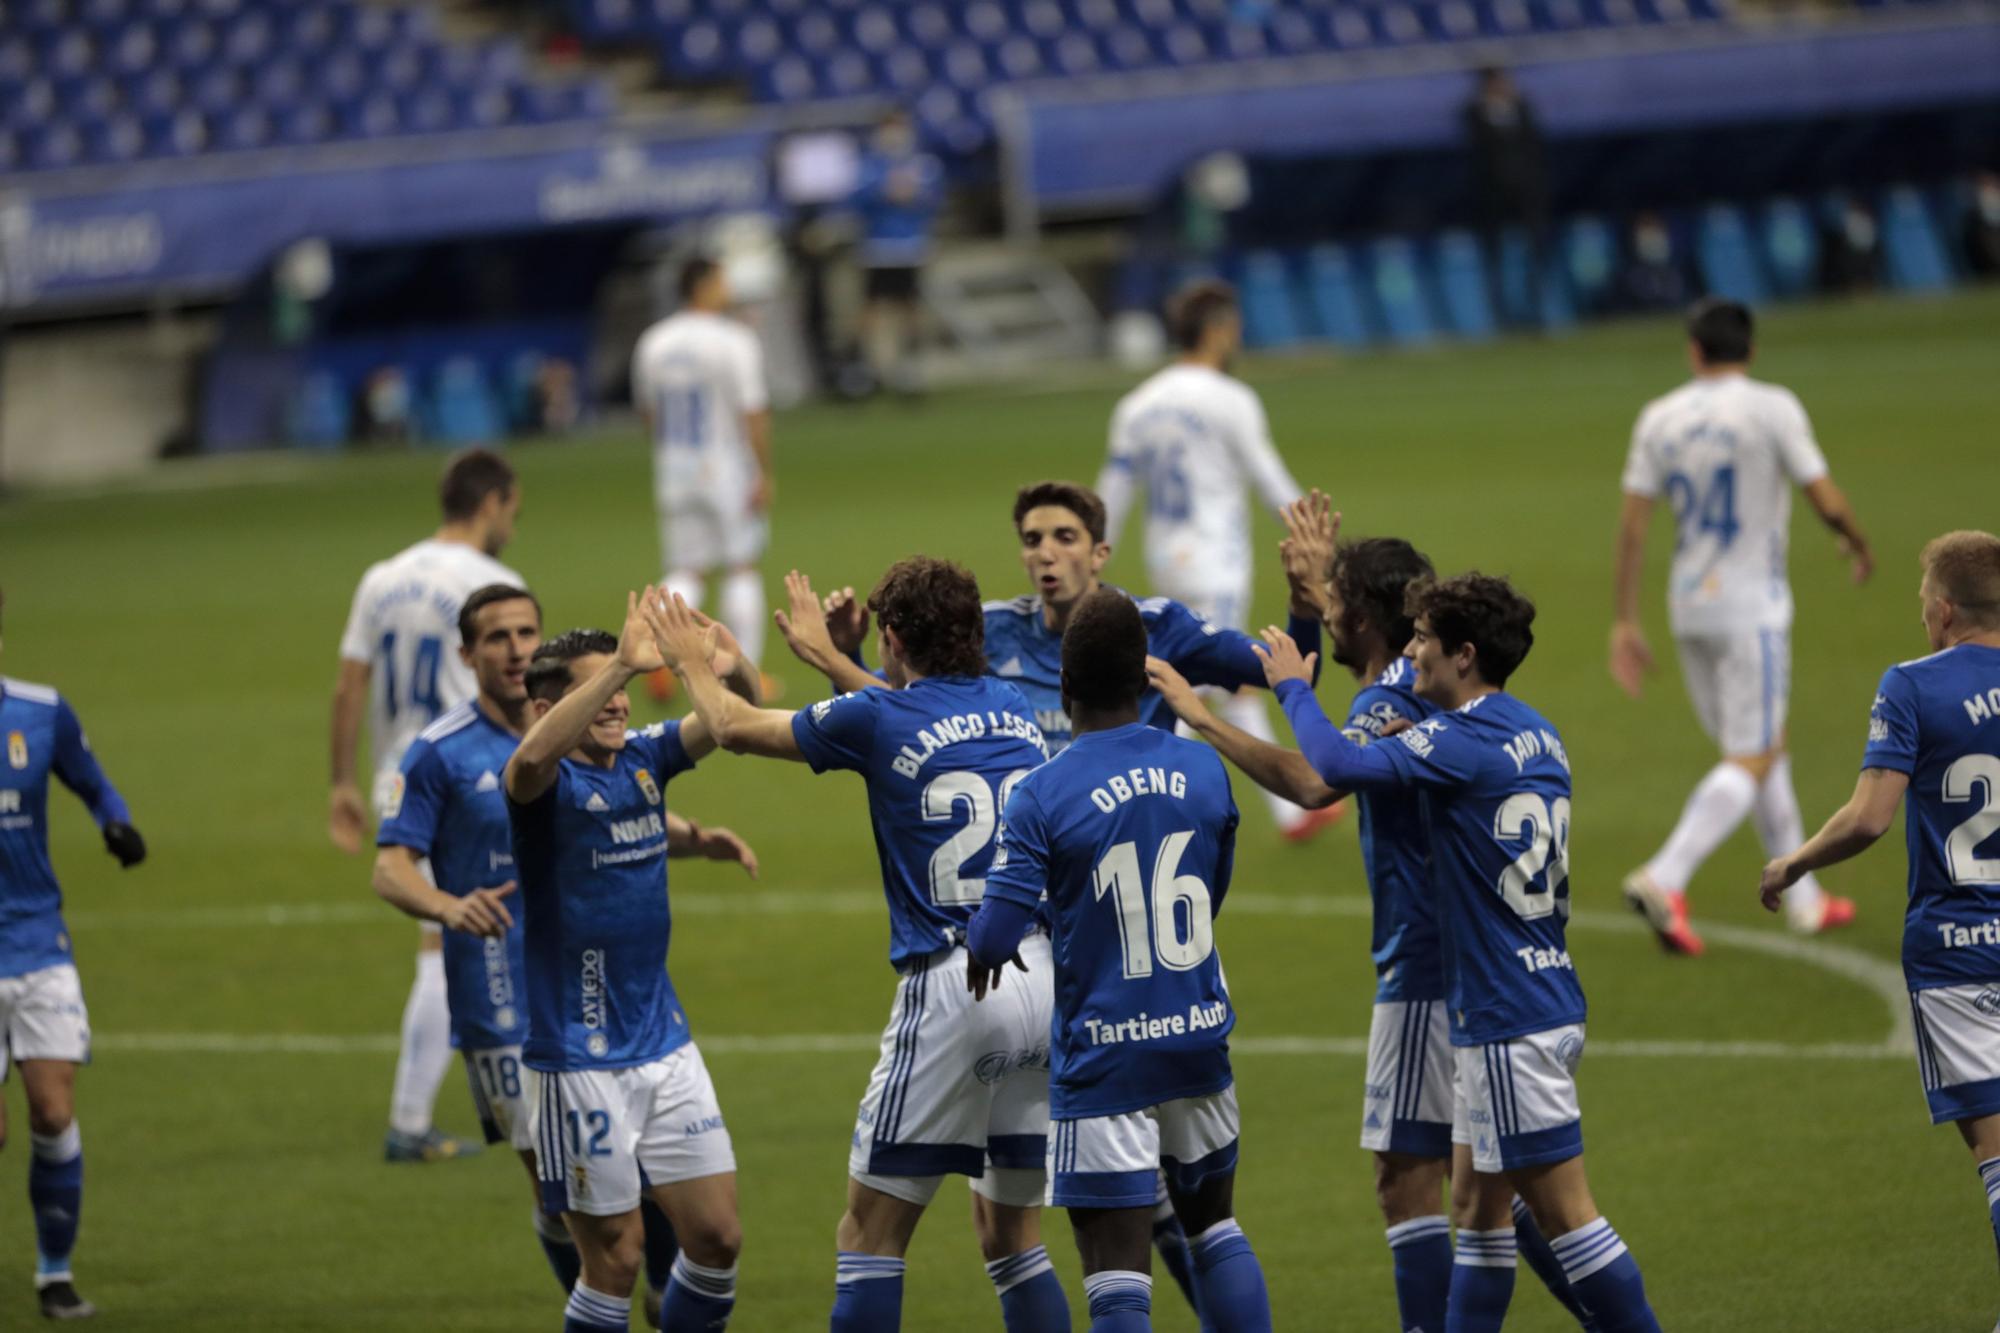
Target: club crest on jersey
[
  {"x": 392, "y": 798},
  {"x": 647, "y": 787},
  {"x": 17, "y": 749}
]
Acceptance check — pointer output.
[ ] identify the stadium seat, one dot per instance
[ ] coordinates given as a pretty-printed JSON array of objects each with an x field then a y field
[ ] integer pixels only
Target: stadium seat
[
  {"x": 1463, "y": 285},
  {"x": 1727, "y": 255},
  {"x": 1396, "y": 278},
  {"x": 321, "y": 412},
  {"x": 1791, "y": 247},
  {"x": 1336, "y": 307},
  {"x": 463, "y": 409},
  {"x": 1269, "y": 317},
  {"x": 1912, "y": 249},
  {"x": 1590, "y": 262}
]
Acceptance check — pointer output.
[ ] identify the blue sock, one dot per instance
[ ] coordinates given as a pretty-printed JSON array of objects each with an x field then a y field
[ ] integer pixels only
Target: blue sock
[
  {"x": 1172, "y": 1243},
  {"x": 55, "y": 1191},
  {"x": 1989, "y": 1175},
  {"x": 1421, "y": 1251},
  {"x": 1606, "y": 1278},
  {"x": 867, "y": 1293},
  {"x": 559, "y": 1248},
  {"x": 1120, "y": 1301},
  {"x": 1482, "y": 1281},
  {"x": 661, "y": 1246},
  {"x": 698, "y": 1299},
  {"x": 1031, "y": 1297},
  {"x": 591, "y": 1311},
  {"x": 1229, "y": 1282},
  {"x": 1543, "y": 1260}
]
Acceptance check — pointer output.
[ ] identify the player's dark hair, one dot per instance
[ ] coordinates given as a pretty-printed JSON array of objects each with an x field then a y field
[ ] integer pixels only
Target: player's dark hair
[
  {"x": 469, "y": 477},
  {"x": 1373, "y": 578},
  {"x": 490, "y": 595},
  {"x": 1079, "y": 500},
  {"x": 1720, "y": 329},
  {"x": 1480, "y": 610},
  {"x": 1192, "y": 309},
  {"x": 1104, "y": 652},
  {"x": 693, "y": 274},
  {"x": 548, "y": 670},
  {"x": 934, "y": 607}
]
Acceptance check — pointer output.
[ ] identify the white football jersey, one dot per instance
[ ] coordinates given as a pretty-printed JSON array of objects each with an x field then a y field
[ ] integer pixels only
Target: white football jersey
[
  {"x": 404, "y": 625},
  {"x": 1198, "y": 440},
  {"x": 697, "y": 375},
  {"x": 1726, "y": 451}
]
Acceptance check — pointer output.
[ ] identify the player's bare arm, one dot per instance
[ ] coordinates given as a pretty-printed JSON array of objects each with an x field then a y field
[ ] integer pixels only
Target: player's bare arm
[
  {"x": 346, "y": 807},
  {"x": 809, "y": 632},
  {"x": 1272, "y": 767},
  {"x": 1854, "y": 828},
  {"x": 1830, "y": 503},
  {"x": 757, "y": 432},
  {"x": 534, "y": 767},
  {"x": 689, "y": 840},
  {"x": 1631, "y": 657},
  {"x": 400, "y": 883},
  {"x": 737, "y": 725}
]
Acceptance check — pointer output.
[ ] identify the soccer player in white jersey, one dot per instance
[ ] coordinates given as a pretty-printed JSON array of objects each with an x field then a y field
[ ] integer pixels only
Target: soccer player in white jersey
[
  {"x": 1726, "y": 451},
  {"x": 698, "y": 379},
  {"x": 1197, "y": 439},
  {"x": 398, "y": 666}
]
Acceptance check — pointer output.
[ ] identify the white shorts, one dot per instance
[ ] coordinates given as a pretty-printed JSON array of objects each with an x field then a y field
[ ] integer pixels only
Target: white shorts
[
  {"x": 960, "y": 1084},
  {"x": 1515, "y": 1102},
  {"x": 42, "y": 1017},
  {"x": 499, "y": 1094},
  {"x": 710, "y": 526},
  {"x": 1406, "y": 1106},
  {"x": 1739, "y": 684},
  {"x": 601, "y": 1136},
  {"x": 1219, "y": 596},
  {"x": 1116, "y": 1161},
  {"x": 1958, "y": 1049}
]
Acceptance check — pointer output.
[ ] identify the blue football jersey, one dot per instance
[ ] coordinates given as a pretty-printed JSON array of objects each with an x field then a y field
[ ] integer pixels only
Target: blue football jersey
[
  {"x": 1395, "y": 852},
  {"x": 450, "y": 807},
  {"x": 591, "y": 856},
  {"x": 940, "y": 759},
  {"x": 1494, "y": 780},
  {"x": 1131, "y": 833},
  {"x": 1021, "y": 648},
  {"x": 1937, "y": 719},
  {"x": 43, "y": 737}
]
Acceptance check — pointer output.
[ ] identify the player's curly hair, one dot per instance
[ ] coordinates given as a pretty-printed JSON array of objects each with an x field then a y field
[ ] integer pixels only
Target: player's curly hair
[
  {"x": 1079, "y": 500},
  {"x": 548, "y": 670},
  {"x": 1373, "y": 577},
  {"x": 934, "y": 607},
  {"x": 1104, "y": 651},
  {"x": 1483, "y": 611}
]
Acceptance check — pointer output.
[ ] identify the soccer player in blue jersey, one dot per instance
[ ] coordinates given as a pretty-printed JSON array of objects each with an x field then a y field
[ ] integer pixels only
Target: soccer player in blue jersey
[
  {"x": 959, "y": 1088},
  {"x": 622, "y": 1104},
  {"x": 1495, "y": 783},
  {"x": 1361, "y": 591},
  {"x": 1128, "y": 836},
  {"x": 1934, "y": 748},
  {"x": 44, "y": 1029}
]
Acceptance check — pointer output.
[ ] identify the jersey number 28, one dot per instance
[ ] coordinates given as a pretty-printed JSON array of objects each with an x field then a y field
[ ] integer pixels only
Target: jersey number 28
[
  {"x": 942, "y": 798},
  {"x": 1545, "y": 825}
]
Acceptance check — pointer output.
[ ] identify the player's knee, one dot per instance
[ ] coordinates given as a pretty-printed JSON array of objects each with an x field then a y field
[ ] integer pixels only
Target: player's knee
[
  {"x": 712, "y": 1242},
  {"x": 1758, "y": 766},
  {"x": 50, "y": 1111},
  {"x": 1406, "y": 1187}
]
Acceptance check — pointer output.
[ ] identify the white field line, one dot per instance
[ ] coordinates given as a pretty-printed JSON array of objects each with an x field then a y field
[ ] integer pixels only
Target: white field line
[{"x": 1879, "y": 975}]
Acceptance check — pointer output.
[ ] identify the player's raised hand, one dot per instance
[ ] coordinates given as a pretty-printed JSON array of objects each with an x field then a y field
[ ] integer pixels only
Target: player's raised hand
[
  {"x": 481, "y": 912},
  {"x": 1631, "y": 658},
  {"x": 637, "y": 652},
  {"x": 804, "y": 624},
  {"x": 718, "y": 644},
  {"x": 979, "y": 979},
  {"x": 1281, "y": 658},
  {"x": 1174, "y": 688},
  {"x": 347, "y": 818},
  {"x": 1779, "y": 875},
  {"x": 719, "y": 844},
  {"x": 677, "y": 636},
  {"x": 847, "y": 620}
]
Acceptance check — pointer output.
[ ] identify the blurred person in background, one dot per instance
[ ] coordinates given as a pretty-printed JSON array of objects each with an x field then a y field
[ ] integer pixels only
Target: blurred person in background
[
  {"x": 1850, "y": 251},
  {"x": 1653, "y": 279},
  {"x": 1510, "y": 180},
  {"x": 698, "y": 380},
  {"x": 1981, "y": 240},
  {"x": 897, "y": 198}
]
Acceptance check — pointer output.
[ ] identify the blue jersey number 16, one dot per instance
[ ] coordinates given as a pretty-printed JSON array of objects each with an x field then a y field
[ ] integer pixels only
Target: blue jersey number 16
[
  {"x": 421, "y": 689},
  {"x": 1180, "y": 937}
]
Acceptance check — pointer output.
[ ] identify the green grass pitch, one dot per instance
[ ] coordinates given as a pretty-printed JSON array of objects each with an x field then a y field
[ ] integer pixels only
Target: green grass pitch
[{"x": 234, "y": 1185}]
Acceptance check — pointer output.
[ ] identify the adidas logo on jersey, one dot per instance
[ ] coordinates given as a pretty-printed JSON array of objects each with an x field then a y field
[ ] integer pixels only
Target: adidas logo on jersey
[
  {"x": 487, "y": 782},
  {"x": 1011, "y": 667},
  {"x": 596, "y": 804}
]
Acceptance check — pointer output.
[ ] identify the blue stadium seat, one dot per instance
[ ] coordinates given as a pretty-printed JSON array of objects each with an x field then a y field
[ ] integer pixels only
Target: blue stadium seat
[
  {"x": 1396, "y": 278},
  {"x": 463, "y": 409},
  {"x": 1462, "y": 285},
  {"x": 1911, "y": 246},
  {"x": 1590, "y": 261},
  {"x": 321, "y": 412},
  {"x": 176, "y": 135},
  {"x": 306, "y": 123},
  {"x": 1075, "y": 53},
  {"x": 1791, "y": 247},
  {"x": 245, "y": 127},
  {"x": 1269, "y": 317},
  {"x": 1727, "y": 255},
  {"x": 427, "y": 111},
  {"x": 53, "y": 146},
  {"x": 1337, "y": 308},
  {"x": 904, "y": 68}
]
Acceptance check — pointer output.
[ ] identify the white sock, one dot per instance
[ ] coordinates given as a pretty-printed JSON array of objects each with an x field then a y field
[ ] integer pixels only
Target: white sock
[
  {"x": 1717, "y": 805},
  {"x": 1781, "y": 829},
  {"x": 1246, "y": 712},
  {"x": 688, "y": 583},
  {"x": 425, "y": 1057},
  {"x": 743, "y": 611}
]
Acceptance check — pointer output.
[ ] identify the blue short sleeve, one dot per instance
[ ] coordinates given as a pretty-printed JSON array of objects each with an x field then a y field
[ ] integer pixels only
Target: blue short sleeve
[
  {"x": 1020, "y": 870},
  {"x": 1892, "y": 724},
  {"x": 416, "y": 807},
  {"x": 838, "y": 732},
  {"x": 660, "y": 748}
]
